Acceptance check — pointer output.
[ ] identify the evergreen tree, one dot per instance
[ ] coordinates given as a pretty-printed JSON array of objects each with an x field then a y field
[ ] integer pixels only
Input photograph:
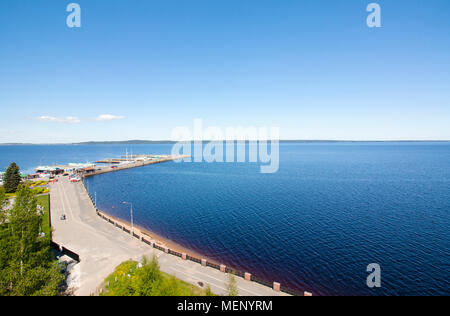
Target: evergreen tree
[
  {"x": 12, "y": 178},
  {"x": 26, "y": 264}
]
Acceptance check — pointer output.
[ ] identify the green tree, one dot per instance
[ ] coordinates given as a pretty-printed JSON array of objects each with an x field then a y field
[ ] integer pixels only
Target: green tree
[
  {"x": 231, "y": 286},
  {"x": 148, "y": 276},
  {"x": 2, "y": 205},
  {"x": 26, "y": 265},
  {"x": 2, "y": 198},
  {"x": 12, "y": 178}
]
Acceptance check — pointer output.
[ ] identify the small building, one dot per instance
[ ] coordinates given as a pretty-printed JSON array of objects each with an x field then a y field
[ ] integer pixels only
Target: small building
[
  {"x": 51, "y": 170},
  {"x": 33, "y": 176},
  {"x": 88, "y": 170}
]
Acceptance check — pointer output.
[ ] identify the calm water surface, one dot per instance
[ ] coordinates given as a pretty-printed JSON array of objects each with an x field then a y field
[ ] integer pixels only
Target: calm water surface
[{"x": 332, "y": 209}]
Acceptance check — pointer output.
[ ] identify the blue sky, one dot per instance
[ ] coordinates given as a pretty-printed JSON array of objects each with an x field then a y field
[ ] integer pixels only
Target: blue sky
[{"x": 312, "y": 68}]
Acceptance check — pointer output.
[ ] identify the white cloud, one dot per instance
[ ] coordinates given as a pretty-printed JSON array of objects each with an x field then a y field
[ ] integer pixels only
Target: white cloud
[
  {"x": 68, "y": 119},
  {"x": 109, "y": 117}
]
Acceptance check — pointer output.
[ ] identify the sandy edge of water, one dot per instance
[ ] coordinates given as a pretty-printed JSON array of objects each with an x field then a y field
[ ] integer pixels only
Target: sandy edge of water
[{"x": 157, "y": 239}]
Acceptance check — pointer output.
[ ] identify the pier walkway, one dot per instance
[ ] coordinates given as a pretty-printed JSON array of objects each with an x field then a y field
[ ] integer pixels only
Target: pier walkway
[
  {"x": 128, "y": 164},
  {"x": 102, "y": 247}
]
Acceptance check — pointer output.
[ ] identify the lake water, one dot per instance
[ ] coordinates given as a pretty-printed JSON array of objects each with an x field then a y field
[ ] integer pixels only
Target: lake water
[{"x": 330, "y": 210}]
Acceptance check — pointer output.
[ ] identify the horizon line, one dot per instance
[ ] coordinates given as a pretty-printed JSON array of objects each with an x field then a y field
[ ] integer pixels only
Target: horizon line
[{"x": 139, "y": 142}]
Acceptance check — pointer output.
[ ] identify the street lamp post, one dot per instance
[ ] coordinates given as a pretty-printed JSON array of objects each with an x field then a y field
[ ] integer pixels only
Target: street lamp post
[{"x": 131, "y": 215}]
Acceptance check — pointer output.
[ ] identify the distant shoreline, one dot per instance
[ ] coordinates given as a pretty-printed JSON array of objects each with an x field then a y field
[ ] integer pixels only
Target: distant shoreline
[{"x": 162, "y": 142}]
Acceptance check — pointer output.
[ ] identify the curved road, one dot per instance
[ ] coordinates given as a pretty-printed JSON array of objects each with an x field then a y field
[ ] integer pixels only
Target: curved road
[{"x": 102, "y": 247}]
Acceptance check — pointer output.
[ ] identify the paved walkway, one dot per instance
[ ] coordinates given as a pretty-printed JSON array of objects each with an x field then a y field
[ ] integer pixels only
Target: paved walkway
[{"x": 102, "y": 247}]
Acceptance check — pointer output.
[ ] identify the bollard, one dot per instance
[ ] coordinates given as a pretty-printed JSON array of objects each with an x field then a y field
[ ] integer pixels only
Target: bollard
[
  {"x": 184, "y": 256},
  {"x": 247, "y": 276},
  {"x": 166, "y": 250},
  {"x": 307, "y": 294},
  {"x": 276, "y": 286},
  {"x": 204, "y": 262},
  {"x": 223, "y": 268}
]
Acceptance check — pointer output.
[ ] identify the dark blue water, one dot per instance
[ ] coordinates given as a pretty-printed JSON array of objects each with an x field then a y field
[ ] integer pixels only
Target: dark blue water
[{"x": 331, "y": 210}]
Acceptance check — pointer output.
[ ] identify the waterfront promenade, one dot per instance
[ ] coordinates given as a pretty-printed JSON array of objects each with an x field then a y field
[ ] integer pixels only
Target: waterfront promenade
[{"x": 102, "y": 247}]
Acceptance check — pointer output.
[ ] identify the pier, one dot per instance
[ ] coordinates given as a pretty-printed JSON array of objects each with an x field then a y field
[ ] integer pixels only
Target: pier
[
  {"x": 128, "y": 163},
  {"x": 108, "y": 165}
]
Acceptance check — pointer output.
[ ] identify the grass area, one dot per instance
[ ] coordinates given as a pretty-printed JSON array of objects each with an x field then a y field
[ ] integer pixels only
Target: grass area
[
  {"x": 39, "y": 190},
  {"x": 44, "y": 201},
  {"x": 133, "y": 279}
]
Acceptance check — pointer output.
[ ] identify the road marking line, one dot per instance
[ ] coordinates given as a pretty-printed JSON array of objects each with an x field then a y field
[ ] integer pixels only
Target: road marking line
[{"x": 211, "y": 277}]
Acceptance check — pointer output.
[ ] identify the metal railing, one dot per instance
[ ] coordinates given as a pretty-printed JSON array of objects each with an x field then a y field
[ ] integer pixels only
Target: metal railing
[{"x": 65, "y": 251}]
